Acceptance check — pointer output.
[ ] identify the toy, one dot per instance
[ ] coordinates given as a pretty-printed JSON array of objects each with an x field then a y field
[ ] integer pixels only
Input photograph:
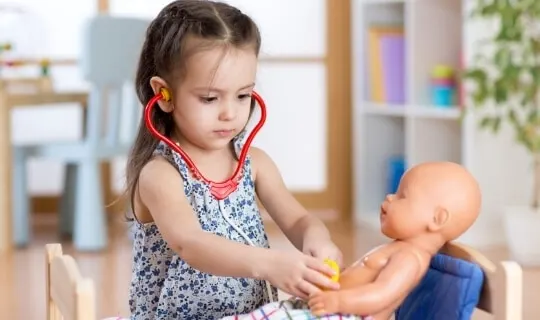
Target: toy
[
  {"x": 220, "y": 190},
  {"x": 443, "y": 86},
  {"x": 45, "y": 65},
  {"x": 332, "y": 264},
  {"x": 14, "y": 46},
  {"x": 5, "y": 47},
  {"x": 436, "y": 202}
]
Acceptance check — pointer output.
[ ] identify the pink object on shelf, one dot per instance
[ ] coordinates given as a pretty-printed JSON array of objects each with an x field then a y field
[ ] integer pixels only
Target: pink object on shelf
[{"x": 443, "y": 82}]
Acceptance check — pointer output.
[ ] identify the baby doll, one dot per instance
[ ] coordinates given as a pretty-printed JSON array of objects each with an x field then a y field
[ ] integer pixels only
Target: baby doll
[{"x": 435, "y": 203}]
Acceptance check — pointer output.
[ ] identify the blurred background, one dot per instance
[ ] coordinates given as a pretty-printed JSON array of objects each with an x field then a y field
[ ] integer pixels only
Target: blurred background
[{"x": 357, "y": 91}]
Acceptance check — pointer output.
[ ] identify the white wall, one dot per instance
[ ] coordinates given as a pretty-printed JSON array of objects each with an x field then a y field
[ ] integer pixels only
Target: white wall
[
  {"x": 502, "y": 167},
  {"x": 295, "y": 92}
]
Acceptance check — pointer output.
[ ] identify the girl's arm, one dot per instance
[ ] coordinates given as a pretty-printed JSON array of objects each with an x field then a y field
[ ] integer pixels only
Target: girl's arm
[
  {"x": 292, "y": 218},
  {"x": 160, "y": 190},
  {"x": 161, "y": 199}
]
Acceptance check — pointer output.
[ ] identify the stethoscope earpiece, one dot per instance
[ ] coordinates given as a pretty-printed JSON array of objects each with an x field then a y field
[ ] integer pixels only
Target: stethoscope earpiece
[{"x": 165, "y": 94}]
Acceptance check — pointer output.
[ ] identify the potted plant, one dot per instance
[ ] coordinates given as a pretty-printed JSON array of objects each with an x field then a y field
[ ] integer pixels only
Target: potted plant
[{"x": 505, "y": 85}]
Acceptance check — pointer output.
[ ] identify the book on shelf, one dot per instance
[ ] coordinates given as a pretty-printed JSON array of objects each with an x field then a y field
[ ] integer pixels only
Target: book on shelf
[{"x": 386, "y": 64}]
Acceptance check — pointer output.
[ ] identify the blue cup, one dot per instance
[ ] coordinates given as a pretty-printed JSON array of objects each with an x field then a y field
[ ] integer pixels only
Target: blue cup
[{"x": 443, "y": 96}]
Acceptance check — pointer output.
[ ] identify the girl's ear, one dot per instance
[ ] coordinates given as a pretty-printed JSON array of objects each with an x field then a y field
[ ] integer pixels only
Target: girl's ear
[{"x": 157, "y": 85}]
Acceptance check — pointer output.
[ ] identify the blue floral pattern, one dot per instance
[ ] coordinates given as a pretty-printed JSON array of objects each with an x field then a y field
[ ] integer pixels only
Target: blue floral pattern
[{"x": 164, "y": 286}]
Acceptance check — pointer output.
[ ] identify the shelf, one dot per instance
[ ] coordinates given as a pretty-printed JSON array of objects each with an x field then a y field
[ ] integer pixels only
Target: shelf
[
  {"x": 424, "y": 47},
  {"x": 436, "y": 36},
  {"x": 376, "y": 2},
  {"x": 412, "y": 126},
  {"x": 427, "y": 112},
  {"x": 384, "y": 109},
  {"x": 383, "y": 39},
  {"x": 435, "y": 140},
  {"x": 435, "y": 112},
  {"x": 384, "y": 138}
]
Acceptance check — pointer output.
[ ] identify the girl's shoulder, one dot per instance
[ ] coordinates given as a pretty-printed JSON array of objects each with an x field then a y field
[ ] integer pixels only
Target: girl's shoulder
[
  {"x": 260, "y": 160},
  {"x": 156, "y": 172},
  {"x": 157, "y": 167}
]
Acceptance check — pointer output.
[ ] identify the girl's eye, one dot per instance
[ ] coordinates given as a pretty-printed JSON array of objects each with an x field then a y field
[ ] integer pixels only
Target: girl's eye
[
  {"x": 208, "y": 99},
  {"x": 244, "y": 96}
]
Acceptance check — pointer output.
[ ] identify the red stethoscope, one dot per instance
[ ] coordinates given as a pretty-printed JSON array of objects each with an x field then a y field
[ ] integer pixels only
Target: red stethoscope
[{"x": 220, "y": 190}]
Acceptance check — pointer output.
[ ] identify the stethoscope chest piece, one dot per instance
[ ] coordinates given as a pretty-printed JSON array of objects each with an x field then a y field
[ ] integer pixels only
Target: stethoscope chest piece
[{"x": 221, "y": 190}]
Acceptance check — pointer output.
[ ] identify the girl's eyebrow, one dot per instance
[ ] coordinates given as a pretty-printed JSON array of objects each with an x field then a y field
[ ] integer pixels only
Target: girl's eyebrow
[
  {"x": 214, "y": 89},
  {"x": 249, "y": 86}
]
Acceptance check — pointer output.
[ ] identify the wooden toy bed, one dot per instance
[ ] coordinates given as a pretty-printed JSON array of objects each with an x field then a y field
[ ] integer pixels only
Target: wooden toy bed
[
  {"x": 69, "y": 295},
  {"x": 73, "y": 297}
]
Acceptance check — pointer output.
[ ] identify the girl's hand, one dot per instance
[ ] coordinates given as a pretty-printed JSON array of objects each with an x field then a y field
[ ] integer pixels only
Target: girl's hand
[
  {"x": 297, "y": 274},
  {"x": 323, "y": 249}
]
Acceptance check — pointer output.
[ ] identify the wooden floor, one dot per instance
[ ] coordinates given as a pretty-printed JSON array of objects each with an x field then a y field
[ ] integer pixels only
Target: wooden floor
[{"x": 22, "y": 282}]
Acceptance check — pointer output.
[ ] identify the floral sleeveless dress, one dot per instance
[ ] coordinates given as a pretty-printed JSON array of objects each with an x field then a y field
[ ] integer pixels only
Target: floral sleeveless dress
[{"x": 164, "y": 286}]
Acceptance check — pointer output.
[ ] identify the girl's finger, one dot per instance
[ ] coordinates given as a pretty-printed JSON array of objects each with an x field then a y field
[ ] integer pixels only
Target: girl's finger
[
  {"x": 299, "y": 294},
  {"x": 320, "y": 266},
  {"x": 307, "y": 288},
  {"x": 320, "y": 280}
]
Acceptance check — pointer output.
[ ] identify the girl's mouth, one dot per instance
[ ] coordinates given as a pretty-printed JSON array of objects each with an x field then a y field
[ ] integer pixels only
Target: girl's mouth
[{"x": 224, "y": 133}]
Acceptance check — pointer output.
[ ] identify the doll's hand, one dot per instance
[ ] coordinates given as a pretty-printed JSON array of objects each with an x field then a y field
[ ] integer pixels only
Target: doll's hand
[
  {"x": 323, "y": 249},
  {"x": 324, "y": 302}
]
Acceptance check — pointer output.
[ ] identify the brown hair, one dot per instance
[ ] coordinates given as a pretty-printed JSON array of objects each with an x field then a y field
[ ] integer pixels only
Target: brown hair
[{"x": 164, "y": 54}]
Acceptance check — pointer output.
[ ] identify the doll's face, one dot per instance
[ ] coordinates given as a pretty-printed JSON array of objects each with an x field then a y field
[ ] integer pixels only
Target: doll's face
[{"x": 407, "y": 213}]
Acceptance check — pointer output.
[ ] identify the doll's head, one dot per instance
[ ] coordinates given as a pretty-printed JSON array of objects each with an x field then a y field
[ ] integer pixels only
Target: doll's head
[{"x": 439, "y": 199}]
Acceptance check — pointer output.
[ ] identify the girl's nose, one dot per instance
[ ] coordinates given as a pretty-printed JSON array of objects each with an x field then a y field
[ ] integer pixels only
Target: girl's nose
[{"x": 228, "y": 112}]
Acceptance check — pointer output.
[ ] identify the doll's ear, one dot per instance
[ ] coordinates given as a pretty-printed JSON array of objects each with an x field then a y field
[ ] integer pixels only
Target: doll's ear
[
  {"x": 159, "y": 85},
  {"x": 440, "y": 218}
]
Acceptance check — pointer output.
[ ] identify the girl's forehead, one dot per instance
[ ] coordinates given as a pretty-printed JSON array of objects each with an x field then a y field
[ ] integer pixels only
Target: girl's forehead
[{"x": 226, "y": 68}]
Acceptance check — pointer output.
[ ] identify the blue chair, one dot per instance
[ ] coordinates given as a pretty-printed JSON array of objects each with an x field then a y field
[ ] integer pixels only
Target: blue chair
[
  {"x": 110, "y": 51},
  {"x": 461, "y": 280}
]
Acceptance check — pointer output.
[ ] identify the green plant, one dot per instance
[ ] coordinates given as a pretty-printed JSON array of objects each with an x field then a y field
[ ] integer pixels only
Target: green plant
[{"x": 506, "y": 74}]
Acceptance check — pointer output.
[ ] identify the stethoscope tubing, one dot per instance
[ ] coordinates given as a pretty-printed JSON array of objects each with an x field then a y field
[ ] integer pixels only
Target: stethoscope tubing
[{"x": 232, "y": 182}]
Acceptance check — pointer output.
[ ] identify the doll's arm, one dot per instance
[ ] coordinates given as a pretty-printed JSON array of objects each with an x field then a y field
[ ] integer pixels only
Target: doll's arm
[{"x": 394, "y": 282}]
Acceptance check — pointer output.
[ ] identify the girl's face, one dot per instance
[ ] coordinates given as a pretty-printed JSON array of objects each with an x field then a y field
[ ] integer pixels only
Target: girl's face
[{"x": 212, "y": 101}]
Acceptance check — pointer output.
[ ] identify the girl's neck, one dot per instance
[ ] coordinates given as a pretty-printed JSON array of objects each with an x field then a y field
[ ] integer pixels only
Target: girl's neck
[
  {"x": 199, "y": 155},
  {"x": 215, "y": 165}
]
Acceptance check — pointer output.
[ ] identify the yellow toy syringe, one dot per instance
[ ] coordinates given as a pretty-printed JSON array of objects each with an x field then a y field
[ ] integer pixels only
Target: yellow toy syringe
[{"x": 332, "y": 264}]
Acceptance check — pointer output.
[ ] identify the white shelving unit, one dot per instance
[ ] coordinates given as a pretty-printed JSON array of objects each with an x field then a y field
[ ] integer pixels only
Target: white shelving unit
[{"x": 415, "y": 129}]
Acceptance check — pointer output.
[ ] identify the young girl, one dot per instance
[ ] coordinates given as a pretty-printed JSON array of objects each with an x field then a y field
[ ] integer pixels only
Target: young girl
[{"x": 196, "y": 257}]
